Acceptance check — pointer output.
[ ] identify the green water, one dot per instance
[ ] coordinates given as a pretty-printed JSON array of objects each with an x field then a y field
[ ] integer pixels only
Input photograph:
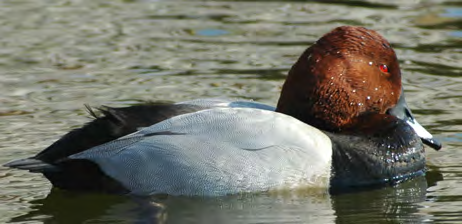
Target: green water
[{"x": 56, "y": 56}]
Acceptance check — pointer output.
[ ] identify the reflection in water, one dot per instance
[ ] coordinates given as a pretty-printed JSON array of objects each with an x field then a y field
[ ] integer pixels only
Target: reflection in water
[
  {"x": 311, "y": 206},
  {"x": 389, "y": 205},
  {"x": 393, "y": 204},
  {"x": 71, "y": 207}
]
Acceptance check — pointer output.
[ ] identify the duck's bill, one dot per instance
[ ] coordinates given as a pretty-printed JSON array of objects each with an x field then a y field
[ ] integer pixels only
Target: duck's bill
[
  {"x": 426, "y": 137},
  {"x": 402, "y": 111}
]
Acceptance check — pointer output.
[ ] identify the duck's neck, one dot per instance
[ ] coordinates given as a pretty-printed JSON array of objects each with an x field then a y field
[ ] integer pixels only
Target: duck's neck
[{"x": 385, "y": 155}]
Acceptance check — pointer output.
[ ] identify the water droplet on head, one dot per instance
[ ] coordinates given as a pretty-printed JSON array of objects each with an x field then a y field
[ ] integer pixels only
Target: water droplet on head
[
  {"x": 370, "y": 63},
  {"x": 354, "y": 90},
  {"x": 368, "y": 97},
  {"x": 376, "y": 88}
]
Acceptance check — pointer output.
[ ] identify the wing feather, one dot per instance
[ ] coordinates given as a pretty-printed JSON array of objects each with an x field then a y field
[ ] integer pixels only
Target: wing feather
[{"x": 215, "y": 152}]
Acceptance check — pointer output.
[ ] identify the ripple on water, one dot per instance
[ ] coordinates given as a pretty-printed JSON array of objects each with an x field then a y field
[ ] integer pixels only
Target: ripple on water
[{"x": 53, "y": 60}]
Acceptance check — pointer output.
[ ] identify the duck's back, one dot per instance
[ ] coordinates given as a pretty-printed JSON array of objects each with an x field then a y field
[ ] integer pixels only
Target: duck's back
[{"x": 215, "y": 152}]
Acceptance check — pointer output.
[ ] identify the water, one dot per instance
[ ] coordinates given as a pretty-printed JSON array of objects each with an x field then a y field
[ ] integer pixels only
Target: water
[{"x": 56, "y": 56}]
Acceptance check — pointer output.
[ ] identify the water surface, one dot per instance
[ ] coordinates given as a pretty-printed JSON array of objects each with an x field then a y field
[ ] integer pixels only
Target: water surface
[{"x": 57, "y": 56}]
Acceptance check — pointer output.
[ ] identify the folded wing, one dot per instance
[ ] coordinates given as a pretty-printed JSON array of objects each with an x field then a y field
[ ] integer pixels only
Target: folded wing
[{"x": 215, "y": 152}]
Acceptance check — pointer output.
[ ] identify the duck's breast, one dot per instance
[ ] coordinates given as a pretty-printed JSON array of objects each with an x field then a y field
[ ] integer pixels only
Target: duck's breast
[{"x": 216, "y": 152}]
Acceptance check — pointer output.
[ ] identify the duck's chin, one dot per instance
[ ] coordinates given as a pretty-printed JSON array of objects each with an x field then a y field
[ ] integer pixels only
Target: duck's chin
[{"x": 385, "y": 156}]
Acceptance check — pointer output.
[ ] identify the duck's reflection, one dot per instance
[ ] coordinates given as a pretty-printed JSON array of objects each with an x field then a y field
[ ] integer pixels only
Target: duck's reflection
[
  {"x": 398, "y": 204},
  {"x": 70, "y": 207},
  {"x": 393, "y": 204},
  {"x": 312, "y": 206}
]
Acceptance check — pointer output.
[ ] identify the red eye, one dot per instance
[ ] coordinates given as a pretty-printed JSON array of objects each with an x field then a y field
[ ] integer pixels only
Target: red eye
[{"x": 383, "y": 68}]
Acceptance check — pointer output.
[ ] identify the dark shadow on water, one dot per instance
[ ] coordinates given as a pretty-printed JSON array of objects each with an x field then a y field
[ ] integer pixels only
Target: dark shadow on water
[
  {"x": 356, "y": 3},
  {"x": 70, "y": 207},
  {"x": 433, "y": 176},
  {"x": 435, "y": 69}
]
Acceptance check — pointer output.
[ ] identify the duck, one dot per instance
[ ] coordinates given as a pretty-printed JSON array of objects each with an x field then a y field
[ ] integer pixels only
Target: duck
[{"x": 341, "y": 123}]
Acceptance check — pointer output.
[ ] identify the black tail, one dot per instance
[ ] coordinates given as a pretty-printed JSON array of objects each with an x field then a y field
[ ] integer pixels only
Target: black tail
[
  {"x": 32, "y": 165},
  {"x": 84, "y": 175},
  {"x": 77, "y": 175},
  {"x": 115, "y": 123}
]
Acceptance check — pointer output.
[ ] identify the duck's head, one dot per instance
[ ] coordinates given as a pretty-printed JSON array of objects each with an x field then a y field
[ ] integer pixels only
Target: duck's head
[{"x": 349, "y": 75}]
